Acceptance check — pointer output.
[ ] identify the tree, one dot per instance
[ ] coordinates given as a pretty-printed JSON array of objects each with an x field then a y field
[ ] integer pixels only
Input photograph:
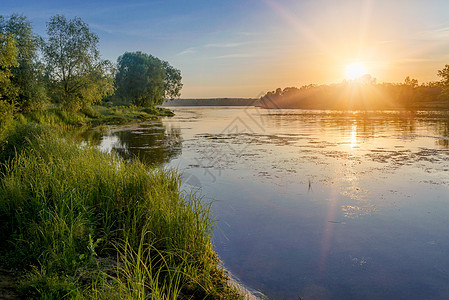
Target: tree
[
  {"x": 145, "y": 80},
  {"x": 411, "y": 82},
  {"x": 77, "y": 76},
  {"x": 172, "y": 83},
  {"x": 28, "y": 73},
  {"x": 444, "y": 74},
  {"x": 8, "y": 59}
]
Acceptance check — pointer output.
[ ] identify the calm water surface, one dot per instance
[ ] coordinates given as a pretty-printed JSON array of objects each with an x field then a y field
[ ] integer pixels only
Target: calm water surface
[{"x": 321, "y": 204}]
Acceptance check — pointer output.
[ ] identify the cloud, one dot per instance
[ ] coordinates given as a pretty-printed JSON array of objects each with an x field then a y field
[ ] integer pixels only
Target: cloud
[
  {"x": 439, "y": 34},
  {"x": 208, "y": 46},
  {"x": 187, "y": 51},
  {"x": 248, "y": 33},
  {"x": 223, "y": 45},
  {"x": 235, "y": 55}
]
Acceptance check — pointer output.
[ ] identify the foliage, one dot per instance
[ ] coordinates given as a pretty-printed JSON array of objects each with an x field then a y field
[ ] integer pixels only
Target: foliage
[
  {"x": 444, "y": 74},
  {"x": 361, "y": 94},
  {"x": 8, "y": 59},
  {"x": 411, "y": 82},
  {"x": 28, "y": 73},
  {"x": 172, "y": 82},
  {"x": 77, "y": 76},
  {"x": 140, "y": 79},
  {"x": 145, "y": 80}
]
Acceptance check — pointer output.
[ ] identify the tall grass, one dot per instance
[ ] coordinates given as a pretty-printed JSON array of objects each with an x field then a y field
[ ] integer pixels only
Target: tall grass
[{"x": 66, "y": 209}]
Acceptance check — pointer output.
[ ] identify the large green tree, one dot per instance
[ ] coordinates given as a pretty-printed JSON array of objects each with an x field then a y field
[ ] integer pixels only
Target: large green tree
[
  {"x": 77, "y": 76},
  {"x": 172, "y": 82},
  {"x": 145, "y": 80},
  {"x": 28, "y": 73},
  {"x": 8, "y": 59}
]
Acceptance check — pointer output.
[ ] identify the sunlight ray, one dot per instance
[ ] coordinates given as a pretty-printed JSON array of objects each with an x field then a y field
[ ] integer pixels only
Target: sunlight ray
[
  {"x": 365, "y": 17},
  {"x": 301, "y": 28}
]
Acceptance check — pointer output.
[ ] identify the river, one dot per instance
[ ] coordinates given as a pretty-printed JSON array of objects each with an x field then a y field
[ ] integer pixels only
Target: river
[{"x": 317, "y": 204}]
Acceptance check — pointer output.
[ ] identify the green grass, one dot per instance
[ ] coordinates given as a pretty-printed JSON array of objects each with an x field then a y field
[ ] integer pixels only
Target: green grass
[
  {"x": 94, "y": 115},
  {"x": 84, "y": 224},
  {"x": 125, "y": 114}
]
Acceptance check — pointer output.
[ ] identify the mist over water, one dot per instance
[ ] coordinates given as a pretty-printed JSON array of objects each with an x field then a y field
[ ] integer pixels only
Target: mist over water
[{"x": 320, "y": 204}]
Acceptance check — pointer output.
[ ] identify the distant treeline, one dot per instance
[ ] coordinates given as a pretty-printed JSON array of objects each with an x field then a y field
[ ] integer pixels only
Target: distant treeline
[
  {"x": 363, "y": 94},
  {"x": 213, "y": 102}
]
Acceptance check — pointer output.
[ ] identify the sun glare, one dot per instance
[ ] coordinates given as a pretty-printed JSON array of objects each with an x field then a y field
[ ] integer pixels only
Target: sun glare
[{"x": 355, "y": 70}]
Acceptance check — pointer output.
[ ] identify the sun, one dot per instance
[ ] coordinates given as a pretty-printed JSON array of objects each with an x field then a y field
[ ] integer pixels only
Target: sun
[{"x": 355, "y": 70}]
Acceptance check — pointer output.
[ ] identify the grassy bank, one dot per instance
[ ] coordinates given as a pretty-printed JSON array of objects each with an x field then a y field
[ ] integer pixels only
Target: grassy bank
[
  {"x": 79, "y": 223},
  {"x": 60, "y": 119},
  {"x": 95, "y": 115}
]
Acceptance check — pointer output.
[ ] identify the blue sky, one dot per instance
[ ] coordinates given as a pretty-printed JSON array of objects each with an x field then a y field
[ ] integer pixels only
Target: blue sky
[{"x": 245, "y": 48}]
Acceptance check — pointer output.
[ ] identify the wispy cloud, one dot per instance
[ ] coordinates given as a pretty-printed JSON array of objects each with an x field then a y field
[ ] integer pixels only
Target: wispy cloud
[
  {"x": 187, "y": 51},
  {"x": 441, "y": 33},
  {"x": 414, "y": 60},
  {"x": 224, "y": 45},
  {"x": 248, "y": 33},
  {"x": 235, "y": 55},
  {"x": 110, "y": 29},
  {"x": 196, "y": 49}
]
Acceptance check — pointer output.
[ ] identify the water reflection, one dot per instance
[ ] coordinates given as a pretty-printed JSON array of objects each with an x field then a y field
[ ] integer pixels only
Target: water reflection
[
  {"x": 353, "y": 141},
  {"x": 89, "y": 136},
  {"x": 441, "y": 128},
  {"x": 369, "y": 124},
  {"x": 153, "y": 142},
  {"x": 319, "y": 204},
  {"x": 326, "y": 205}
]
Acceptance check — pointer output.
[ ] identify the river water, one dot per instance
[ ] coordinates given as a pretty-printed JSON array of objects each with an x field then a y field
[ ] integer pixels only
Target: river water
[{"x": 317, "y": 204}]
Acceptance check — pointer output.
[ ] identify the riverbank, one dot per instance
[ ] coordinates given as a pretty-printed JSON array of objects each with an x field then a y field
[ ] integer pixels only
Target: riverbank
[
  {"x": 96, "y": 115},
  {"x": 79, "y": 223}
]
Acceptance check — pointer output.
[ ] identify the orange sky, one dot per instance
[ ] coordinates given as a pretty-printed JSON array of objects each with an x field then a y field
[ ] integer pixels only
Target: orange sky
[{"x": 306, "y": 42}]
